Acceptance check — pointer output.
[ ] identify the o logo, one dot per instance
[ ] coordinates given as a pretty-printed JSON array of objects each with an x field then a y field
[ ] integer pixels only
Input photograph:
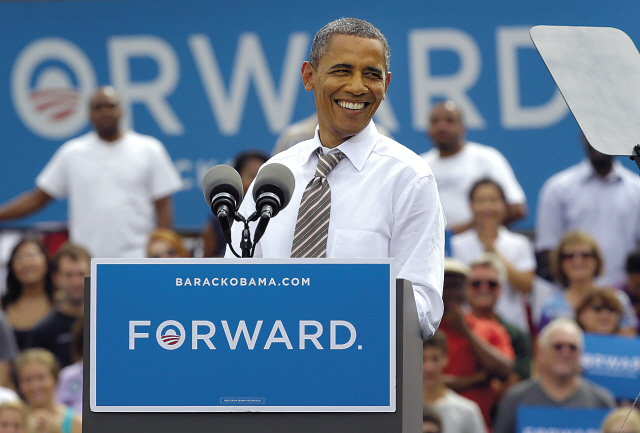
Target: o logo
[
  {"x": 51, "y": 83},
  {"x": 171, "y": 339}
]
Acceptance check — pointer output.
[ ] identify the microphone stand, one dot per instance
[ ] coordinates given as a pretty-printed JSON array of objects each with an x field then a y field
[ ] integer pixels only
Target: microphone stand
[{"x": 246, "y": 246}]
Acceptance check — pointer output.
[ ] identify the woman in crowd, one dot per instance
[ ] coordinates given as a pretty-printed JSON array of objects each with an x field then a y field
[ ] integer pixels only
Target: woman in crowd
[
  {"x": 37, "y": 371},
  {"x": 165, "y": 243},
  {"x": 489, "y": 234},
  {"x": 13, "y": 417},
  {"x": 576, "y": 263},
  {"x": 599, "y": 312},
  {"x": 29, "y": 295}
]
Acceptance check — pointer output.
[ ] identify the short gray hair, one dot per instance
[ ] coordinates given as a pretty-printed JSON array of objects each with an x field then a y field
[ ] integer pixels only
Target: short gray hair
[
  {"x": 493, "y": 261},
  {"x": 350, "y": 27},
  {"x": 560, "y": 323}
]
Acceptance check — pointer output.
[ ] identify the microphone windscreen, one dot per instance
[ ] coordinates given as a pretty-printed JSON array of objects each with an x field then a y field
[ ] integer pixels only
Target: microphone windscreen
[
  {"x": 222, "y": 178},
  {"x": 277, "y": 179}
]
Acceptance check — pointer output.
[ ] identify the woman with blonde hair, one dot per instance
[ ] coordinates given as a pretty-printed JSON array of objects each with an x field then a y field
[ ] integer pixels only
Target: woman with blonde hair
[
  {"x": 13, "y": 417},
  {"x": 37, "y": 371},
  {"x": 576, "y": 263},
  {"x": 622, "y": 420}
]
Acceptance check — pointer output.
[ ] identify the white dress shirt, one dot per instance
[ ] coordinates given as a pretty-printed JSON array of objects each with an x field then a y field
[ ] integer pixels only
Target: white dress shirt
[
  {"x": 608, "y": 208},
  {"x": 384, "y": 203}
]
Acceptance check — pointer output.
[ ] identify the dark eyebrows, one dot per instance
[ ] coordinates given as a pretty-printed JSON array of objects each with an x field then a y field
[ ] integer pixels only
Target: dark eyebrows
[
  {"x": 376, "y": 70},
  {"x": 350, "y": 67},
  {"x": 341, "y": 66}
]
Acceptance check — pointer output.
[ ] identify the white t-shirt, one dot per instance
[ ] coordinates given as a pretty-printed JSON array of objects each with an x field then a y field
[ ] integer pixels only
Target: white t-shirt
[
  {"x": 459, "y": 414},
  {"x": 608, "y": 208},
  {"x": 457, "y": 173},
  {"x": 384, "y": 203},
  {"x": 111, "y": 188},
  {"x": 514, "y": 247}
]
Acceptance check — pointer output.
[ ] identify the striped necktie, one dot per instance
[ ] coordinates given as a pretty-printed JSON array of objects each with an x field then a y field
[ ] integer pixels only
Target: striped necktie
[{"x": 312, "y": 226}]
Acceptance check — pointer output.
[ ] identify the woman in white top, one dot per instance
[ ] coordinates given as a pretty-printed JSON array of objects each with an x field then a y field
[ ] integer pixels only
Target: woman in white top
[{"x": 489, "y": 234}]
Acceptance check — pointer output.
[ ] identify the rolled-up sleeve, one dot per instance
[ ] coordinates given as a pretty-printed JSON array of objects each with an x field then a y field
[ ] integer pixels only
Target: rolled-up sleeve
[{"x": 417, "y": 243}]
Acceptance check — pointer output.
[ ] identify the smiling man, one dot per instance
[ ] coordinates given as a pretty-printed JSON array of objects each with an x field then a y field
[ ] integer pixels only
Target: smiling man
[{"x": 378, "y": 199}]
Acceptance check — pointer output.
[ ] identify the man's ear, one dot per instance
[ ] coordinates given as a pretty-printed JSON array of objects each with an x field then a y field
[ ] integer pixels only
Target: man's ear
[
  {"x": 308, "y": 72},
  {"x": 387, "y": 80}
]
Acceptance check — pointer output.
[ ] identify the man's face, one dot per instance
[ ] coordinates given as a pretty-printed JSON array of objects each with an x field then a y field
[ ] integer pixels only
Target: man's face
[
  {"x": 70, "y": 276},
  {"x": 445, "y": 127},
  {"x": 105, "y": 113},
  {"x": 350, "y": 82},
  {"x": 561, "y": 356},
  {"x": 483, "y": 288}
]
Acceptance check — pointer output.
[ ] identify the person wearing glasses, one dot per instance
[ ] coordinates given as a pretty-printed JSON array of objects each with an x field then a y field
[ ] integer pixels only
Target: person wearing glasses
[
  {"x": 576, "y": 263},
  {"x": 486, "y": 284},
  {"x": 478, "y": 349},
  {"x": 600, "y": 312},
  {"x": 559, "y": 382}
]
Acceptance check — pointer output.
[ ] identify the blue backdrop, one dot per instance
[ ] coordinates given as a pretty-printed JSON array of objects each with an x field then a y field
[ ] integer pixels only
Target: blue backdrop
[{"x": 211, "y": 78}]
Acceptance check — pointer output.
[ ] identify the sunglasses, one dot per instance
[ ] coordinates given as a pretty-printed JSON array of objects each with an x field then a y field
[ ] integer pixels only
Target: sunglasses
[
  {"x": 476, "y": 284},
  {"x": 582, "y": 255},
  {"x": 559, "y": 346},
  {"x": 599, "y": 308}
]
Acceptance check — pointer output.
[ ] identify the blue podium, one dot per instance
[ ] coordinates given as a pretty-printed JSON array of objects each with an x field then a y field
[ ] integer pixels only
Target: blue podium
[{"x": 239, "y": 345}]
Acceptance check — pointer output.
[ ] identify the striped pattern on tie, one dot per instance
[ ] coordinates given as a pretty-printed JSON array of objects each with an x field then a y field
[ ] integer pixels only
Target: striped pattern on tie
[{"x": 312, "y": 226}]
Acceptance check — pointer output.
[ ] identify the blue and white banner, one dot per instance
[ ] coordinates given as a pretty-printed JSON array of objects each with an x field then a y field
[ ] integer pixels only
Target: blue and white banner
[
  {"x": 613, "y": 362},
  {"x": 537, "y": 419},
  {"x": 243, "y": 335},
  {"x": 213, "y": 78}
]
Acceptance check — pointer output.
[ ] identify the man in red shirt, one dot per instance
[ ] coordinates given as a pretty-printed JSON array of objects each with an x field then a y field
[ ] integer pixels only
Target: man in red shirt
[{"x": 479, "y": 349}]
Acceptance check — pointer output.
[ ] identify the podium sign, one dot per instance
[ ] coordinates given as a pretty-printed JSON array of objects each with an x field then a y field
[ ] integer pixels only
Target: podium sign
[{"x": 211, "y": 335}]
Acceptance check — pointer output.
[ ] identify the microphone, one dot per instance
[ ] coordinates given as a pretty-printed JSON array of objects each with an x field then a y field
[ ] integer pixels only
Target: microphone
[
  {"x": 272, "y": 192},
  {"x": 222, "y": 189}
]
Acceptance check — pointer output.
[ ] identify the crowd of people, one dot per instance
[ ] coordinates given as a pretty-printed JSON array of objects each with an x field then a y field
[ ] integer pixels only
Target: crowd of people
[{"x": 515, "y": 308}]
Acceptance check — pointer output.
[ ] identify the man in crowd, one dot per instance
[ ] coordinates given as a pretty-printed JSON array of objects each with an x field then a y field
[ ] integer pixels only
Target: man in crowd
[
  {"x": 559, "y": 383},
  {"x": 358, "y": 215},
  {"x": 598, "y": 196},
  {"x": 458, "y": 164},
  {"x": 119, "y": 184},
  {"x": 486, "y": 279},
  {"x": 478, "y": 349},
  {"x": 71, "y": 264}
]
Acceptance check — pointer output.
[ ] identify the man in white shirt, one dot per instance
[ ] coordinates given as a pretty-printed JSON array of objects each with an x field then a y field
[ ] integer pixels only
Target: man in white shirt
[
  {"x": 119, "y": 184},
  {"x": 384, "y": 199},
  {"x": 598, "y": 196},
  {"x": 458, "y": 164}
]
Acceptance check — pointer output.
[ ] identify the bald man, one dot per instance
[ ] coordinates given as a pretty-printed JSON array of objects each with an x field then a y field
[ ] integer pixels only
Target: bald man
[
  {"x": 118, "y": 184},
  {"x": 457, "y": 164}
]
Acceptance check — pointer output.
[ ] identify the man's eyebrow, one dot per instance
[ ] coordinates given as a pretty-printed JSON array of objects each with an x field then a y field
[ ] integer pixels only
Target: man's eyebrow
[
  {"x": 341, "y": 66},
  {"x": 374, "y": 69}
]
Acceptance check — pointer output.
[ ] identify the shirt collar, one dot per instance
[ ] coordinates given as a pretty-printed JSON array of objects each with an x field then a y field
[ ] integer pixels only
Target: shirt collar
[{"x": 357, "y": 149}]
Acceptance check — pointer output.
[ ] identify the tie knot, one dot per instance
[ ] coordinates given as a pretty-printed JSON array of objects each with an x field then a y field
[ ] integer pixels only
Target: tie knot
[{"x": 327, "y": 162}]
